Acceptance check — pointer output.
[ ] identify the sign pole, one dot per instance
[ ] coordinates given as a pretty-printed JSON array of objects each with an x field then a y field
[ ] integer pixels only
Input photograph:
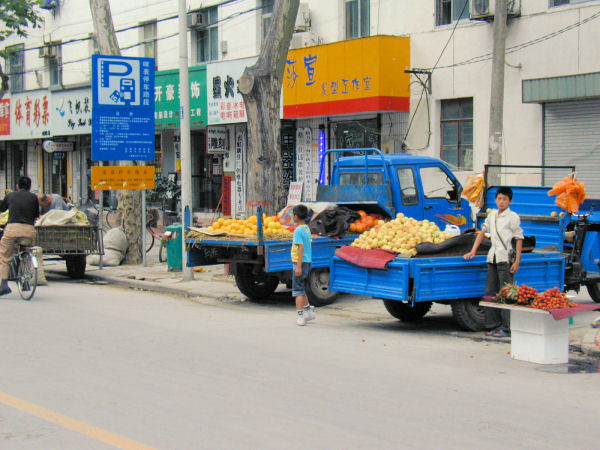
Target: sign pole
[
  {"x": 185, "y": 138},
  {"x": 144, "y": 259},
  {"x": 101, "y": 224}
]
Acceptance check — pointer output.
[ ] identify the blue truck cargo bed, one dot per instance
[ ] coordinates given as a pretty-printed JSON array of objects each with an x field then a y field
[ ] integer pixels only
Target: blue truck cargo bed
[{"x": 440, "y": 278}]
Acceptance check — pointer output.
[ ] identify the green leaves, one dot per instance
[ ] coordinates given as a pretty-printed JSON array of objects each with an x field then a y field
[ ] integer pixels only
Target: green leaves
[{"x": 17, "y": 16}]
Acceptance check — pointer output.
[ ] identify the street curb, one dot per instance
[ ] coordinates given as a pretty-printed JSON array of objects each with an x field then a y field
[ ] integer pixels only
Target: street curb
[{"x": 145, "y": 286}]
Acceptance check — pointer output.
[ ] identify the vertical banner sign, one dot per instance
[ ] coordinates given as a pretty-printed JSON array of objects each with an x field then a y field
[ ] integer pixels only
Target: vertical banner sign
[
  {"x": 123, "y": 108},
  {"x": 309, "y": 176},
  {"x": 240, "y": 191},
  {"x": 5, "y": 117},
  {"x": 227, "y": 196},
  {"x": 300, "y": 155},
  {"x": 229, "y": 157}
]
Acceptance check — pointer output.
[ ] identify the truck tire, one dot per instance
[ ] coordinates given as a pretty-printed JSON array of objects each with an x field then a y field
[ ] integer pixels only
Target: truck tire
[
  {"x": 255, "y": 286},
  {"x": 317, "y": 288},
  {"x": 470, "y": 316},
  {"x": 405, "y": 312},
  {"x": 594, "y": 291},
  {"x": 75, "y": 266}
]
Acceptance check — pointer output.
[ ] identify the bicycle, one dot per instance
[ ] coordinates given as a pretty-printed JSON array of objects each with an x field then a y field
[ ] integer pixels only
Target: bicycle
[
  {"x": 24, "y": 268},
  {"x": 152, "y": 234}
]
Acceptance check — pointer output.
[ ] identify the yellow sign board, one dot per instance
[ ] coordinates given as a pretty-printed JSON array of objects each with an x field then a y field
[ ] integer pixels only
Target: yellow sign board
[
  {"x": 108, "y": 178},
  {"x": 357, "y": 75}
]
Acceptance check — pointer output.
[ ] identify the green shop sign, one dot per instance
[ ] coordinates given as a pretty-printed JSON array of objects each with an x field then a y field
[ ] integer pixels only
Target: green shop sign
[{"x": 166, "y": 98}]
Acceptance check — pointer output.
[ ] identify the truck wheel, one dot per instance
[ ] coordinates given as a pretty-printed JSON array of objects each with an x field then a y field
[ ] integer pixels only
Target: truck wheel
[
  {"x": 75, "y": 266},
  {"x": 594, "y": 291},
  {"x": 317, "y": 288},
  {"x": 405, "y": 312},
  {"x": 255, "y": 286},
  {"x": 470, "y": 316}
]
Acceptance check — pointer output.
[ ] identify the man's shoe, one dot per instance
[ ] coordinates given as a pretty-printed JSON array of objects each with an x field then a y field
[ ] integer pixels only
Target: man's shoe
[
  {"x": 301, "y": 321},
  {"x": 5, "y": 290},
  {"x": 309, "y": 314}
]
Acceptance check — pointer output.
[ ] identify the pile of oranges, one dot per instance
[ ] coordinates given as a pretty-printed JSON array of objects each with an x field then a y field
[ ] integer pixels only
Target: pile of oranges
[
  {"x": 365, "y": 222},
  {"x": 249, "y": 226}
]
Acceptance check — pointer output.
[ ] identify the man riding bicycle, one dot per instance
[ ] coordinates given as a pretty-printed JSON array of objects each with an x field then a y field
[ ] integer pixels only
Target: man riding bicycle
[{"x": 23, "y": 210}]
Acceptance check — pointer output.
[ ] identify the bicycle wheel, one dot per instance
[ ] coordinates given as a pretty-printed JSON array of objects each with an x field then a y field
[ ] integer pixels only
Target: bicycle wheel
[
  {"x": 26, "y": 275},
  {"x": 162, "y": 252},
  {"x": 149, "y": 239}
]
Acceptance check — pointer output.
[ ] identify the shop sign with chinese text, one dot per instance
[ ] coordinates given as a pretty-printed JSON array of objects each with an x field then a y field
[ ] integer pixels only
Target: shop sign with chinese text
[
  {"x": 166, "y": 98},
  {"x": 5, "y": 117},
  {"x": 123, "y": 108},
  {"x": 30, "y": 115},
  {"x": 71, "y": 112},
  {"x": 108, "y": 178},
  {"x": 225, "y": 102},
  {"x": 353, "y": 76},
  {"x": 217, "y": 140}
]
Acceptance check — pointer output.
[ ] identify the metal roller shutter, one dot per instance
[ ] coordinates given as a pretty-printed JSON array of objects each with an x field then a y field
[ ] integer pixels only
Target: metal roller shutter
[{"x": 572, "y": 137}]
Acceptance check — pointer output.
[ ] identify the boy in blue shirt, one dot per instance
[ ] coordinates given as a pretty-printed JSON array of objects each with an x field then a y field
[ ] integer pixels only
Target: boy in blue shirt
[{"x": 301, "y": 261}]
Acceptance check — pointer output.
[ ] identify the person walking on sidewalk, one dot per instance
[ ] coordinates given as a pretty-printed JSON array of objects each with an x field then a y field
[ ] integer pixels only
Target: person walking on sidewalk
[
  {"x": 301, "y": 262},
  {"x": 23, "y": 209},
  {"x": 503, "y": 225}
]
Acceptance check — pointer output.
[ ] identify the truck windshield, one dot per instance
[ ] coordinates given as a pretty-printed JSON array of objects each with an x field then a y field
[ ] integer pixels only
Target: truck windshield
[{"x": 358, "y": 178}]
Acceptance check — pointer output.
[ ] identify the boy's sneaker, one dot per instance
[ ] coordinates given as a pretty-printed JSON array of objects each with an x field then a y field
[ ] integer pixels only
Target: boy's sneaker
[
  {"x": 301, "y": 321},
  {"x": 309, "y": 314}
]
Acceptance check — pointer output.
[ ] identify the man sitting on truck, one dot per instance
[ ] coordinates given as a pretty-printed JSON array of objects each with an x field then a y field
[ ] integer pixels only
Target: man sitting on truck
[
  {"x": 23, "y": 210},
  {"x": 503, "y": 225}
]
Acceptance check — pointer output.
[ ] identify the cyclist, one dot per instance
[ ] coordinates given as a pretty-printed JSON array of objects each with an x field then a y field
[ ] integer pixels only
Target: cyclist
[{"x": 23, "y": 209}]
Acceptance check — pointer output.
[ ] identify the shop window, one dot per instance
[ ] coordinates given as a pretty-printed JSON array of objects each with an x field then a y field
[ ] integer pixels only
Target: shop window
[
  {"x": 207, "y": 44},
  {"x": 567, "y": 2},
  {"x": 436, "y": 183},
  {"x": 457, "y": 133},
  {"x": 54, "y": 64},
  {"x": 18, "y": 162},
  {"x": 448, "y": 11},
  {"x": 358, "y": 18},
  {"x": 149, "y": 41},
  {"x": 357, "y": 134},
  {"x": 267, "y": 12},
  {"x": 408, "y": 187},
  {"x": 16, "y": 67}
]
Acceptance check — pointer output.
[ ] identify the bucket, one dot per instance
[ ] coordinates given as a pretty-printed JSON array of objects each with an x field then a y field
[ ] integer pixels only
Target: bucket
[{"x": 452, "y": 229}]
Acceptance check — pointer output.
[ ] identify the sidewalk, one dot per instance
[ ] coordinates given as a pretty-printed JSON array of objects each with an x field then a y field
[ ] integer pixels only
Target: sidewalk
[{"x": 212, "y": 282}]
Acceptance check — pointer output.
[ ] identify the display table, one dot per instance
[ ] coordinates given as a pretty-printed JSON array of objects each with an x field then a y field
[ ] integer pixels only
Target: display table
[{"x": 535, "y": 335}]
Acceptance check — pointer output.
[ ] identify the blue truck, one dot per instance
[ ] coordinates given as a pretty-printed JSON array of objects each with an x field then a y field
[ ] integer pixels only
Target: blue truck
[
  {"x": 361, "y": 179},
  {"x": 566, "y": 254}
]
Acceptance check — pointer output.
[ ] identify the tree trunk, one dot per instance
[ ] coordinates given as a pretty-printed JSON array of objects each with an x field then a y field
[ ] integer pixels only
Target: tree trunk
[
  {"x": 130, "y": 212},
  {"x": 260, "y": 86},
  {"x": 3, "y": 82}
]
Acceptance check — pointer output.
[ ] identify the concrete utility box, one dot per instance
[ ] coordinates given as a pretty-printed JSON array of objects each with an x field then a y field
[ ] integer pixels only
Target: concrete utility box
[{"x": 174, "y": 250}]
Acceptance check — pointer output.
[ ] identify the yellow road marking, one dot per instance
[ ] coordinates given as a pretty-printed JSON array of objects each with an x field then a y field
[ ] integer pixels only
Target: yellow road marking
[{"x": 66, "y": 422}]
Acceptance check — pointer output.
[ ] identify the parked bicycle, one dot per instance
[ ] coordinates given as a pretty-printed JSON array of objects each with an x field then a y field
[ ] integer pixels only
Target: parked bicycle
[
  {"x": 24, "y": 268},
  {"x": 152, "y": 234}
]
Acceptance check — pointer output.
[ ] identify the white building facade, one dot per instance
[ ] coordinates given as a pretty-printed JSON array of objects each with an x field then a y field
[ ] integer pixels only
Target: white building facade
[{"x": 552, "y": 84}]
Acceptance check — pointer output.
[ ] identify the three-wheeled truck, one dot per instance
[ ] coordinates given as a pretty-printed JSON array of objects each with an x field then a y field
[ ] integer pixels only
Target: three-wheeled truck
[
  {"x": 566, "y": 255},
  {"x": 361, "y": 179}
]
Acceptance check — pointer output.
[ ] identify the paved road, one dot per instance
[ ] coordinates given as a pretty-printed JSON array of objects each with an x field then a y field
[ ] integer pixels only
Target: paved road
[{"x": 88, "y": 366}]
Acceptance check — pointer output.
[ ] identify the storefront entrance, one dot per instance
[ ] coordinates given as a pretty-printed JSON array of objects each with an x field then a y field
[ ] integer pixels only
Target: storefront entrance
[
  {"x": 55, "y": 173},
  {"x": 207, "y": 175}
]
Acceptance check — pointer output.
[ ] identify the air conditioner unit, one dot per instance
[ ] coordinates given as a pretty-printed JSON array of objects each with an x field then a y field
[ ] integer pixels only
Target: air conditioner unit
[
  {"x": 48, "y": 51},
  {"x": 305, "y": 39},
  {"x": 485, "y": 9},
  {"x": 197, "y": 19},
  {"x": 303, "y": 18}
]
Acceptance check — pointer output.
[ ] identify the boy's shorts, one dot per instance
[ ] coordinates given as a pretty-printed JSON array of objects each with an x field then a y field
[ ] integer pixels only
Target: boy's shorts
[{"x": 299, "y": 282}]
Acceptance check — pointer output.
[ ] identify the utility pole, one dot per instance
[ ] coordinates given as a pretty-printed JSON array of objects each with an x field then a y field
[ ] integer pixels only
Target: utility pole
[
  {"x": 184, "y": 131},
  {"x": 497, "y": 91}
]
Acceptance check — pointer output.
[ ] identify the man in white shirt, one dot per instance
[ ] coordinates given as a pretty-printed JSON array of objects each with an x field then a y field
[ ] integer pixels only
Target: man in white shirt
[{"x": 503, "y": 225}]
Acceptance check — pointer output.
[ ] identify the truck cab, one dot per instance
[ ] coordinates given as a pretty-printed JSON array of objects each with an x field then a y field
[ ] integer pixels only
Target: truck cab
[{"x": 418, "y": 186}]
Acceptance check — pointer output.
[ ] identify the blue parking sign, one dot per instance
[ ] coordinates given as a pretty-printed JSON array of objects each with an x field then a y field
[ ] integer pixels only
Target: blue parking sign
[{"x": 122, "y": 108}]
